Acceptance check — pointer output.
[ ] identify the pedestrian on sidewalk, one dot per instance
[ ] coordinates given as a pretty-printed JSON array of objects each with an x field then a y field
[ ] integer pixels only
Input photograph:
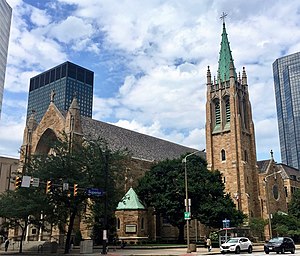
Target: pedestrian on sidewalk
[
  {"x": 208, "y": 244},
  {"x": 6, "y": 244}
]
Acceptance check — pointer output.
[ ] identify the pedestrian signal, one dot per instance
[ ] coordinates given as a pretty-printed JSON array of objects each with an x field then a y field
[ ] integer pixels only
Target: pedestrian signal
[
  {"x": 18, "y": 182},
  {"x": 75, "y": 189},
  {"x": 48, "y": 186}
]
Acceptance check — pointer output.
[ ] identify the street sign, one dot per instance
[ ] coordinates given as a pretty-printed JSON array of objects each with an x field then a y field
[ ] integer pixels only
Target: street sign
[
  {"x": 226, "y": 223},
  {"x": 65, "y": 186},
  {"x": 187, "y": 215},
  {"x": 35, "y": 182},
  {"x": 95, "y": 192},
  {"x": 26, "y": 182}
]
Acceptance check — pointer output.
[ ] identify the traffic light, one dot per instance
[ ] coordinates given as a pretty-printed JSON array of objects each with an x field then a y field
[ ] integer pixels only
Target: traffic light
[
  {"x": 75, "y": 189},
  {"x": 48, "y": 186},
  {"x": 18, "y": 182}
]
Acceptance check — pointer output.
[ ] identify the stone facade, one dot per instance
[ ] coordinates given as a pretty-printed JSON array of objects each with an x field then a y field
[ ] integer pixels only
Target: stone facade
[{"x": 230, "y": 140}]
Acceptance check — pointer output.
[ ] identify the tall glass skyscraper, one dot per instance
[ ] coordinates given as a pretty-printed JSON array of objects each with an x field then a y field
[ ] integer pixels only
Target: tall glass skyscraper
[
  {"x": 5, "y": 20},
  {"x": 66, "y": 80},
  {"x": 286, "y": 71}
]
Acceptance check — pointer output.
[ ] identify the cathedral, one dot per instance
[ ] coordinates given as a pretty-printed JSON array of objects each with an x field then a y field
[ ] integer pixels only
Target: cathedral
[{"x": 258, "y": 188}]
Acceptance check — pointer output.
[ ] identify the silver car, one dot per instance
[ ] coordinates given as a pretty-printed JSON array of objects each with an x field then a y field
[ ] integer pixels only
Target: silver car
[{"x": 236, "y": 245}]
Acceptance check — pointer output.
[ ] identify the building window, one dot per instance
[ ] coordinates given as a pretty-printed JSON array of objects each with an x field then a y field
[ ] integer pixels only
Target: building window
[
  {"x": 217, "y": 113},
  {"x": 227, "y": 108},
  {"x": 33, "y": 231},
  {"x": 118, "y": 223},
  {"x": 223, "y": 155},
  {"x": 275, "y": 192},
  {"x": 142, "y": 223},
  {"x": 286, "y": 191},
  {"x": 245, "y": 156}
]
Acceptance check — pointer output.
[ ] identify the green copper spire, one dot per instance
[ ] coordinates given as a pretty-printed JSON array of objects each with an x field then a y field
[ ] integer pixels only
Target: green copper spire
[
  {"x": 225, "y": 58},
  {"x": 130, "y": 201}
]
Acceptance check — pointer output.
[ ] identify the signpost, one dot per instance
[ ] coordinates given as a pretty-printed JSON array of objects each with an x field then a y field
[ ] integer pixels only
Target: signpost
[{"x": 226, "y": 225}]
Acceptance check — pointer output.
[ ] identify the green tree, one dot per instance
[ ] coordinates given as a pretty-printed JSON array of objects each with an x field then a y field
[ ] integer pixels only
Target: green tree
[
  {"x": 21, "y": 208},
  {"x": 164, "y": 189},
  {"x": 87, "y": 163},
  {"x": 286, "y": 225},
  {"x": 294, "y": 205},
  {"x": 257, "y": 227},
  {"x": 289, "y": 224}
]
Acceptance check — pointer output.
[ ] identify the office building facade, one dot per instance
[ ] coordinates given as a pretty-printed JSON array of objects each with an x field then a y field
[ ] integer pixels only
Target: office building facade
[
  {"x": 61, "y": 84},
  {"x": 286, "y": 72},
  {"x": 5, "y": 20}
]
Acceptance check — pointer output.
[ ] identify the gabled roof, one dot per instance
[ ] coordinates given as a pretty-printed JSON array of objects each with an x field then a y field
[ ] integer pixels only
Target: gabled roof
[
  {"x": 130, "y": 202},
  {"x": 263, "y": 165},
  {"x": 225, "y": 58},
  {"x": 140, "y": 145},
  {"x": 290, "y": 172}
]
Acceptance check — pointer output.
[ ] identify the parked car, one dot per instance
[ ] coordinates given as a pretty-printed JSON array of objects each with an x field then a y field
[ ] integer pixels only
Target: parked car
[
  {"x": 280, "y": 244},
  {"x": 237, "y": 244}
]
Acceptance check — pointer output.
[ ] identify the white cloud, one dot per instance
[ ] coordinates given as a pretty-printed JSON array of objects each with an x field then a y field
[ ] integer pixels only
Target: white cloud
[
  {"x": 71, "y": 29},
  {"x": 165, "y": 47}
]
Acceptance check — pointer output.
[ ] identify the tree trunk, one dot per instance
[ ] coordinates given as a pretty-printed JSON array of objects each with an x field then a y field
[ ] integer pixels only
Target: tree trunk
[
  {"x": 70, "y": 228},
  {"x": 22, "y": 236},
  {"x": 181, "y": 233}
]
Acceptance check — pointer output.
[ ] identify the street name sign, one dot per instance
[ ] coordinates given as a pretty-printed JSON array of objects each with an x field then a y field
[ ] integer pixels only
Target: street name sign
[{"x": 95, "y": 192}]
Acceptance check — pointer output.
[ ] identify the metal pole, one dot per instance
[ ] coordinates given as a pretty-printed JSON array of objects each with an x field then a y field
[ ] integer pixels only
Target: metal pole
[
  {"x": 105, "y": 232},
  {"x": 187, "y": 208},
  {"x": 187, "y": 204}
]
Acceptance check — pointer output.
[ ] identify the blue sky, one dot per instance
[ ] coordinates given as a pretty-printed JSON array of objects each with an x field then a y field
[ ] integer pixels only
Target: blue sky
[{"x": 150, "y": 60}]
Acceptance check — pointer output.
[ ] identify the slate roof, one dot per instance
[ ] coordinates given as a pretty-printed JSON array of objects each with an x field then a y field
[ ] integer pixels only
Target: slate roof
[
  {"x": 130, "y": 202},
  {"x": 139, "y": 145},
  {"x": 290, "y": 172},
  {"x": 263, "y": 165}
]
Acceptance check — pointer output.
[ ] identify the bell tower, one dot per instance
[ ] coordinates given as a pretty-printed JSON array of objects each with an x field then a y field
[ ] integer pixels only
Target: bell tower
[{"x": 230, "y": 139}]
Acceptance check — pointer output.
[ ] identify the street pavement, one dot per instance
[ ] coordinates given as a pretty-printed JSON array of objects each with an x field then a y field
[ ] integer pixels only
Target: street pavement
[{"x": 149, "y": 251}]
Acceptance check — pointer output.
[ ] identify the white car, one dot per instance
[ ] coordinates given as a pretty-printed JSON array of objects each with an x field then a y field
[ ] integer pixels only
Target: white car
[{"x": 236, "y": 245}]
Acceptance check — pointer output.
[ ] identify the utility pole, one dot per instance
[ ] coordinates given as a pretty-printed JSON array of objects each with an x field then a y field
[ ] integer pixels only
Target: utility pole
[{"x": 105, "y": 228}]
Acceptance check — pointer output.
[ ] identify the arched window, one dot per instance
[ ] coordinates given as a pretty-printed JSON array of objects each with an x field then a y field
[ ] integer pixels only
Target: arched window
[
  {"x": 245, "y": 114},
  {"x": 227, "y": 109},
  {"x": 245, "y": 156},
  {"x": 223, "y": 155},
  {"x": 217, "y": 113}
]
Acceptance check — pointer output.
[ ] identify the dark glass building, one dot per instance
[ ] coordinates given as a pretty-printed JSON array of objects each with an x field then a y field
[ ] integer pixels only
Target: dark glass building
[
  {"x": 286, "y": 71},
  {"x": 67, "y": 80}
]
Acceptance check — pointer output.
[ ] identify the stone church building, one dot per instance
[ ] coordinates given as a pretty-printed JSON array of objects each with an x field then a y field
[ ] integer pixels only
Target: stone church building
[{"x": 258, "y": 188}]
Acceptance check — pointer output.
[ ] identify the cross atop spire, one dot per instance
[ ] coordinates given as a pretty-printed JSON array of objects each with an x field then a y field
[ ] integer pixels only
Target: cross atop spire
[{"x": 223, "y": 16}]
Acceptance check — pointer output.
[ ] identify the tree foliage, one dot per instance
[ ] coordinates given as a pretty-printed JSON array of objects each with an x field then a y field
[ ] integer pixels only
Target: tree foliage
[
  {"x": 164, "y": 189},
  {"x": 21, "y": 208},
  {"x": 257, "y": 227},
  {"x": 87, "y": 163},
  {"x": 289, "y": 224},
  {"x": 294, "y": 205}
]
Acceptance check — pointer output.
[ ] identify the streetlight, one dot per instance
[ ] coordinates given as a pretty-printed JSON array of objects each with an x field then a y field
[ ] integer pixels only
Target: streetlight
[
  {"x": 267, "y": 199},
  {"x": 187, "y": 202}
]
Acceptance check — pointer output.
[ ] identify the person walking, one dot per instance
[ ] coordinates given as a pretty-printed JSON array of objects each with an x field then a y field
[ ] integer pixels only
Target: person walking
[
  {"x": 208, "y": 244},
  {"x": 6, "y": 244}
]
